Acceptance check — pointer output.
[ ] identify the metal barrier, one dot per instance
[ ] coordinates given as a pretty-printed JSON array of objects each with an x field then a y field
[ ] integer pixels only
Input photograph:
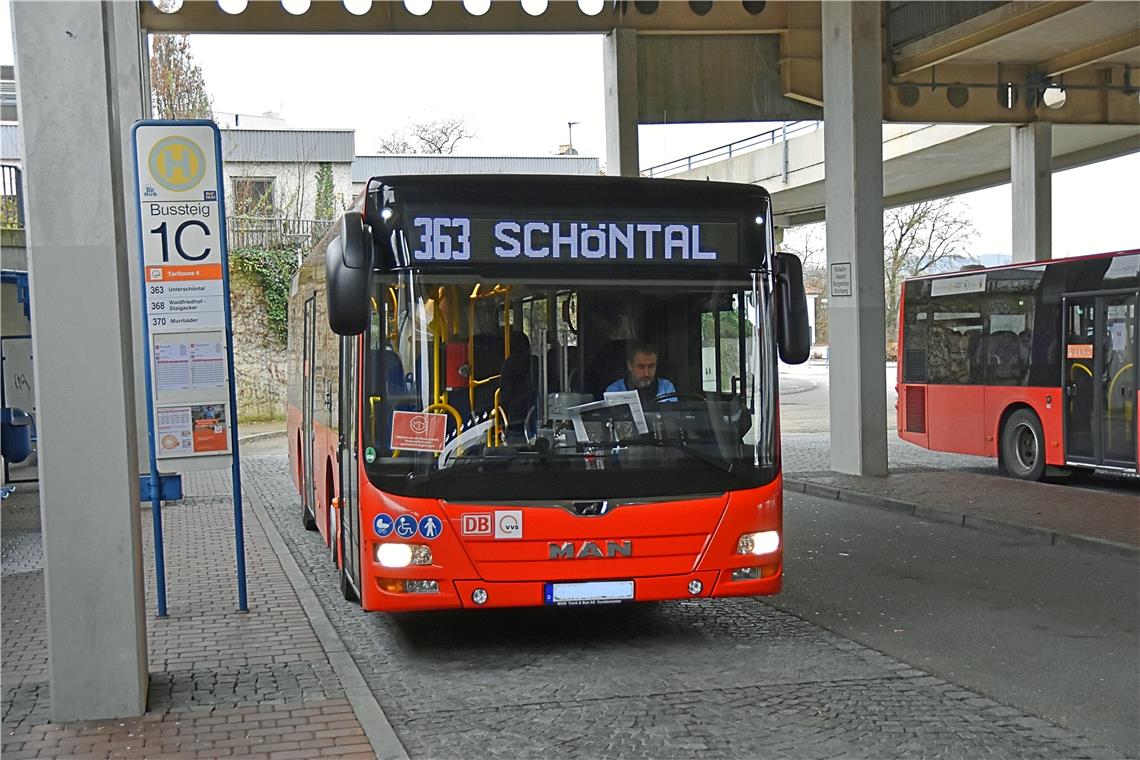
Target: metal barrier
[
  {"x": 274, "y": 232},
  {"x": 775, "y": 136},
  {"x": 11, "y": 197}
]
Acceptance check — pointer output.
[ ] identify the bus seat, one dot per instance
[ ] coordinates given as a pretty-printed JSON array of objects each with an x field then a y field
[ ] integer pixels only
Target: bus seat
[
  {"x": 485, "y": 361},
  {"x": 1005, "y": 356},
  {"x": 607, "y": 365},
  {"x": 519, "y": 388}
]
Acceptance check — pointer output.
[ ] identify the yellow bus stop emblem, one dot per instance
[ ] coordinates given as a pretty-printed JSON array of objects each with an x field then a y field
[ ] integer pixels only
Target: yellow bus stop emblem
[{"x": 177, "y": 163}]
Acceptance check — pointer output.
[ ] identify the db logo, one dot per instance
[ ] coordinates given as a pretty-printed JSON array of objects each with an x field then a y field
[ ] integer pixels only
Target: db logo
[{"x": 476, "y": 525}]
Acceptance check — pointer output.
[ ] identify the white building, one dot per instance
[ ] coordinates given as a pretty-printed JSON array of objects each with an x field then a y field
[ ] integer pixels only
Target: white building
[{"x": 366, "y": 167}]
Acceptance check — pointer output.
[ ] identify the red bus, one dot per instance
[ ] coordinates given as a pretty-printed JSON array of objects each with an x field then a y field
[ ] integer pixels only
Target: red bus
[
  {"x": 510, "y": 391},
  {"x": 1034, "y": 364}
]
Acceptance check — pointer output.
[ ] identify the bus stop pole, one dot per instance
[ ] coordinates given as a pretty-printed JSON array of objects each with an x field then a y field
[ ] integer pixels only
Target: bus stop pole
[{"x": 239, "y": 523}]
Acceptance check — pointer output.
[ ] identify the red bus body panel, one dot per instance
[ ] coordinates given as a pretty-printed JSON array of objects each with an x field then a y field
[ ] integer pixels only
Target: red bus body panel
[{"x": 672, "y": 543}]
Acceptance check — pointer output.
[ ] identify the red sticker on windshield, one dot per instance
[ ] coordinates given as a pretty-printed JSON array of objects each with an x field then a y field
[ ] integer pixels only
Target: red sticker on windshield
[
  {"x": 1080, "y": 351},
  {"x": 418, "y": 431}
]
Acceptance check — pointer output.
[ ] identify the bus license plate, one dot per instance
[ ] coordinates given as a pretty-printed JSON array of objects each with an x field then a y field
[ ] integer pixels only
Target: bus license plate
[{"x": 590, "y": 592}]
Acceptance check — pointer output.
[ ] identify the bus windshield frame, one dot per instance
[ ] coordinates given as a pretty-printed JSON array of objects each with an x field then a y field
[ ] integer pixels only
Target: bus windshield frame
[{"x": 523, "y": 380}]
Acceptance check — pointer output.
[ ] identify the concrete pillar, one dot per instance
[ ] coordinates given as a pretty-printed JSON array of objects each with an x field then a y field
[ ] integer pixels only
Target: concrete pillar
[
  {"x": 71, "y": 60},
  {"x": 1031, "y": 172},
  {"x": 853, "y": 151},
  {"x": 620, "y": 65}
]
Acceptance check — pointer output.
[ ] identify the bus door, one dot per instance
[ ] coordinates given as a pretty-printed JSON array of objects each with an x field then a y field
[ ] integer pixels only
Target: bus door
[
  {"x": 349, "y": 513},
  {"x": 308, "y": 380},
  {"x": 1101, "y": 379}
]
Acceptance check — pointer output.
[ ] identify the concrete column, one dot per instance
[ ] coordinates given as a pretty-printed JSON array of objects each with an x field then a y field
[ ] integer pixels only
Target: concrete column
[
  {"x": 70, "y": 60},
  {"x": 853, "y": 152},
  {"x": 620, "y": 65},
  {"x": 1031, "y": 171}
]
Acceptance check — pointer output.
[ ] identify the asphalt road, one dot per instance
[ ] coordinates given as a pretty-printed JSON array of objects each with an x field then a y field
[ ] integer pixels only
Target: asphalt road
[
  {"x": 1049, "y": 629},
  {"x": 865, "y": 655}
]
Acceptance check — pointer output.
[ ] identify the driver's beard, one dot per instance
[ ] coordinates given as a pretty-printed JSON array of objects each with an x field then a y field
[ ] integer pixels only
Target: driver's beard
[{"x": 643, "y": 382}]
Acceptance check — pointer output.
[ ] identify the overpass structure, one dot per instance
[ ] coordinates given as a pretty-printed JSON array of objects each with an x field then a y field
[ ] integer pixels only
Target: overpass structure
[
  {"x": 81, "y": 84},
  {"x": 920, "y": 161}
]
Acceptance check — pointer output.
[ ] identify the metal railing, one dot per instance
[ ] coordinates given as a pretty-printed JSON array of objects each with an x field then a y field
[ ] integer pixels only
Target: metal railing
[
  {"x": 775, "y": 136},
  {"x": 274, "y": 232},
  {"x": 11, "y": 197}
]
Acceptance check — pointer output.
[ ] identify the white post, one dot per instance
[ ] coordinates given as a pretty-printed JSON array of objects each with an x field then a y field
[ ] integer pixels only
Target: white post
[
  {"x": 1030, "y": 170},
  {"x": 73, "y": 60},
  {"x": 853, "y": 151},
  {"x": 620, "y": 65}
]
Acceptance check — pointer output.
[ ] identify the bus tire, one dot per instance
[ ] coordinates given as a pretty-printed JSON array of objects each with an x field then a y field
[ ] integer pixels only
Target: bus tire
[
  {"x": 1023, "y": 446},
  {"x": 346, "y": 589}
]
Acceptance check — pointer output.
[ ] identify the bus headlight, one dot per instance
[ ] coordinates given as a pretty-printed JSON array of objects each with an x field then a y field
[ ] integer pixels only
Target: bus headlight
[
  {"x": 764, "y": 542},
  {"x": 402, "y": 555}
]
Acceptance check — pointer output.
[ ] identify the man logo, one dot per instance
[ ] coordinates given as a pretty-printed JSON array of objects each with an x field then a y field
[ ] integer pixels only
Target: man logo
[
  {"x": 177, "y": 163},
  {"x": 590, "y": 550}
]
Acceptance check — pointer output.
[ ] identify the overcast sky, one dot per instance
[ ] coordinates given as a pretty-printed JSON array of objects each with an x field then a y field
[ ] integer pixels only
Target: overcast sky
[{"x": 518, "y": 94}]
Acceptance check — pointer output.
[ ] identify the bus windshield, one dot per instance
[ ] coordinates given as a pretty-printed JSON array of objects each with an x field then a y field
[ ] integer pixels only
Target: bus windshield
[{"x": 501, "y": 391}]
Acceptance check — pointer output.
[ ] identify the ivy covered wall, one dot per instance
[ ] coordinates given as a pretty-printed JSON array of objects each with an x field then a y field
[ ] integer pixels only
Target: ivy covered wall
[{"x": 259, "y": 293}]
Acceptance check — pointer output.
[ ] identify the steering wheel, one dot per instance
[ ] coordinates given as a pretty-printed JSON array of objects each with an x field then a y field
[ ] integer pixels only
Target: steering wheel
[{"x": 681, "y": 396}]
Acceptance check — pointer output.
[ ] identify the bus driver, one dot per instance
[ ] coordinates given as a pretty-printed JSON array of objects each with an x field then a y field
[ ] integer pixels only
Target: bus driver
[{"x": 641, "y": 361}]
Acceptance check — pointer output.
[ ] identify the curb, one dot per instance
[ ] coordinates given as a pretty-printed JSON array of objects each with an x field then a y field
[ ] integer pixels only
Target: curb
[
  {"x": 976, "y": 522},
  {"x": 253, "y": 437},
  {"x": 383, "y": 738}
]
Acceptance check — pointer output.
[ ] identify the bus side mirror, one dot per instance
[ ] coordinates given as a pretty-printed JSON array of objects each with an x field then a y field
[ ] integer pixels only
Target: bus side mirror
[
  {"x": 793, "y": 335},
  {"x": 348, "y": 270}
]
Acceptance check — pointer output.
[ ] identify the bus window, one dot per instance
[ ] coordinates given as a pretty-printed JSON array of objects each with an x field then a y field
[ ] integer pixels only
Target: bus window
[
  {"x": 526, "y": 378},
  {"x": 955, "y": 341}
]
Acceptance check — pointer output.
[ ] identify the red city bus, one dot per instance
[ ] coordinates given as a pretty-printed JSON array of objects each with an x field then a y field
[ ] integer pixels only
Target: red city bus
[
  {"x": 509, "y": 391},
  {"x": 1034, "y": 364}
]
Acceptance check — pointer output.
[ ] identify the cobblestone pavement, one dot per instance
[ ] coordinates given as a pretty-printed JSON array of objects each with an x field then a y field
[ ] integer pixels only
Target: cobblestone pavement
[
  {"x": 222, "y": 683},
  {"x": 720, "y": 678}
]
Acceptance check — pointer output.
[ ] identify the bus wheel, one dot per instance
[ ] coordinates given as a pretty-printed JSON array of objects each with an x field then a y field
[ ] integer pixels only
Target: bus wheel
[
  {"x": 1023, "y": 446},
  {"x": 346, "y": 588}
]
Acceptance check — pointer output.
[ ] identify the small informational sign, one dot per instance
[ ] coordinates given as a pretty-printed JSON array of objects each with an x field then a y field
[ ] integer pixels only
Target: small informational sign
[
  {"x": 841, "y": 279},
  {"x": 953, "y": 286},
  {"x": 418, "y": 431},
  {"x": 1119, "y": 336},
  {"x": 182, "y": 235},
  {"x": 509, "y": 523},
  {"x": 1079, "y": 351}
]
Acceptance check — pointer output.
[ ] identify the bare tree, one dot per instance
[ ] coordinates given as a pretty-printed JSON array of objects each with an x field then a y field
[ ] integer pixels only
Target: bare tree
[
  {"x": 438, "y": 136},
  {"x": 928, "y": 237},
  {"x": 808, "y": 243},
  {"x": 178, "y": 88}
]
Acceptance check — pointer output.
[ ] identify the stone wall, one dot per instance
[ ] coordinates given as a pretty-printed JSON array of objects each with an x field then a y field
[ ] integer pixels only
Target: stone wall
[{"x": 259, "y": 356}]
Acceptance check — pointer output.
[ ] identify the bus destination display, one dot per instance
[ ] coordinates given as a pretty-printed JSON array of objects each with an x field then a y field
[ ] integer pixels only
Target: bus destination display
[{"x": 461, "y": 239}]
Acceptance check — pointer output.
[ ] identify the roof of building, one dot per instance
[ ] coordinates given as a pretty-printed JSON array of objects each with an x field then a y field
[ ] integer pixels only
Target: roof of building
[
  {"x": 365, "y": 167},
  {"x": 289, "y": 145}
]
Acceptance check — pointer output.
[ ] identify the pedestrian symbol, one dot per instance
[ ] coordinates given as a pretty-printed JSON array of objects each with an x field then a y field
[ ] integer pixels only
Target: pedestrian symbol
[
  {"x": 382, "y": 525},
  {"x": 430, "y": 527},
  {"x": 405, "y": 526}
]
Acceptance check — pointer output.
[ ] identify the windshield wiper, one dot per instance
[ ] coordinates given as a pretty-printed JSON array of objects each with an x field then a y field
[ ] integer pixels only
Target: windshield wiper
[
  {"x": 672, "y": 443},
  {"x": 477, "y": 464}
]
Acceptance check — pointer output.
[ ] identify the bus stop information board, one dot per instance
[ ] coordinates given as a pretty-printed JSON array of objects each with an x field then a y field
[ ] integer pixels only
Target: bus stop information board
[{"x": 183, "y": 258}]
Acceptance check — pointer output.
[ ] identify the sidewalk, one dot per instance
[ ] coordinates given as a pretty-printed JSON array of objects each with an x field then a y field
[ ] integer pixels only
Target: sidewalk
[
  {"x": 969, "y": 491},
  {"x": 222, "y": 683}
]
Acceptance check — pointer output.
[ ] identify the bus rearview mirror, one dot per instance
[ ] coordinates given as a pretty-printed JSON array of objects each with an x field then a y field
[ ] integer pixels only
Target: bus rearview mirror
[
  {"x": 348, "y": 270},
  {"x": 793, "y": 335}
]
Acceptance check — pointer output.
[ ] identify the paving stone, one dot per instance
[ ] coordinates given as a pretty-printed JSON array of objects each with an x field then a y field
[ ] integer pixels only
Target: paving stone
[{"x": 715, "y": 678}]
